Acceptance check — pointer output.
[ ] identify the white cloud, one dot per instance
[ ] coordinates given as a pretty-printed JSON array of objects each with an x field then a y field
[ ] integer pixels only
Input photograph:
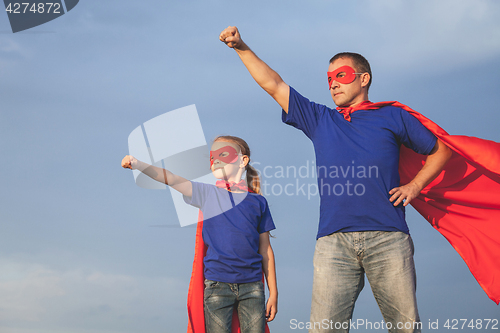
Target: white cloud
[
  {"x": 35, "y": 296},
  {"x": 23, "y": 290},
  {"x": 7, "y": 45},
  {"x": 395, "y": 35},
  {"x": 442, "y": 34},
  {"x": 11, "y": 51}
]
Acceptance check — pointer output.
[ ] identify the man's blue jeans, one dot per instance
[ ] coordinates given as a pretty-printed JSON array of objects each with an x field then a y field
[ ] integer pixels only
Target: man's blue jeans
[
  {"x": 221, "y": 298},
  {"x": 340, "y": 263}
]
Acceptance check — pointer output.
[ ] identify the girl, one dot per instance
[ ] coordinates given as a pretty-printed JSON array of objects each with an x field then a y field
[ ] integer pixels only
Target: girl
[{"x": 236, "y": 232}]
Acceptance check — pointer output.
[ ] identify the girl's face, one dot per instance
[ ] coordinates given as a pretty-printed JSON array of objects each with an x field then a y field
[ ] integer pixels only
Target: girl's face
[{"x": 226, "y": 162}]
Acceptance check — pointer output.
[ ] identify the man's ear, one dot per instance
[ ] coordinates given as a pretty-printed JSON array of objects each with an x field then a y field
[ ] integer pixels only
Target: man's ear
[
  {"x": 244, "y": 161},
  {"x": 365, "y": 79}
]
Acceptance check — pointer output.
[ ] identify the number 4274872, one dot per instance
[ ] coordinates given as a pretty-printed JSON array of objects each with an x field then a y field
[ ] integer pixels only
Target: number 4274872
[
  {"x": 35, "y": 8},
  {"x": 478, "y": 324}
]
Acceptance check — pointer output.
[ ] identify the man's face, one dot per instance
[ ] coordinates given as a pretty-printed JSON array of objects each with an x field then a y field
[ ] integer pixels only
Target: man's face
[{"x": 346, "y": 94}]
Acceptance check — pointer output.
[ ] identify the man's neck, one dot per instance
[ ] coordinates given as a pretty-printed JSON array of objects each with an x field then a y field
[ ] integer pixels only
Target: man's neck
[{"x": 354, "y": 103}]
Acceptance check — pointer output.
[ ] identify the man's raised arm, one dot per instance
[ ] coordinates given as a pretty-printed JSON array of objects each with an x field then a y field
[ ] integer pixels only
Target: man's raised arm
[{"x": 266, "y": 77}]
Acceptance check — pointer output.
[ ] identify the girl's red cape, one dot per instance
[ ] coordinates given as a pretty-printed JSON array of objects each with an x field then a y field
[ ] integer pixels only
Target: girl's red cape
[{"x": 196, "y": 316}]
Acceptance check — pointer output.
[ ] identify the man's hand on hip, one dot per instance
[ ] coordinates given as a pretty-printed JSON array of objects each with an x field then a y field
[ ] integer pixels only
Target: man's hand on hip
[{"x": 405, "y": 194}]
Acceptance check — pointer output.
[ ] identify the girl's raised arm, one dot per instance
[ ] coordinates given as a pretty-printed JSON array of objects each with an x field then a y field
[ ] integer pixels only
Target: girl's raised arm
[{"x": 161, "y": 175}]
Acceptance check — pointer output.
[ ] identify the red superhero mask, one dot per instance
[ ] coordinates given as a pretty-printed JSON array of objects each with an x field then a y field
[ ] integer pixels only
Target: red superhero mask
[
  {"x": 226, "y": 155},
  {"x": 344, "y": 75}
]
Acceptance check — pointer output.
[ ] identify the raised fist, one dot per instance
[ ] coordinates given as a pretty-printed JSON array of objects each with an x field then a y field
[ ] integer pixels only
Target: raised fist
[
  {"x": 231, "y": 37},
  {"x": 129, "y": 162}
]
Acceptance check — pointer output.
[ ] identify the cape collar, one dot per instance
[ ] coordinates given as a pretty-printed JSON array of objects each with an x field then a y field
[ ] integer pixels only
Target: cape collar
[
  {"x": 365, "y": 105},
  {"x": 241, "y": 185}
]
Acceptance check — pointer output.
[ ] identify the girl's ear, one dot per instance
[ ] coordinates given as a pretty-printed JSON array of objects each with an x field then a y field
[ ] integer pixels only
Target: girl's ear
[{"x": 244, "y": 161}]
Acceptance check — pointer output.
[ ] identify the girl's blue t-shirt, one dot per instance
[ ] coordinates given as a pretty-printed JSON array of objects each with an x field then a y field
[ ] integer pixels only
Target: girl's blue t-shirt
[
  {"x": 232, "y": 224},
  {"x": 357, "y": 162}
]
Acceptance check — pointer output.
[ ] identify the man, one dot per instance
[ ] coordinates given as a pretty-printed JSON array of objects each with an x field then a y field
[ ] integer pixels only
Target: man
[{"x": 362, "y": 229}]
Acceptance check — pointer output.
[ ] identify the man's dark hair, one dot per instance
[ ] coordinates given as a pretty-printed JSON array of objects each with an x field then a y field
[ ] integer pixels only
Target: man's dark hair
[{"x": 360, "y": 63}]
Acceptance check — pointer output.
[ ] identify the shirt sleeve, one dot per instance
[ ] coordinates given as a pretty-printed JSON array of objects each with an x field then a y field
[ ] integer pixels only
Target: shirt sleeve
[
  {"x": 302, "y": 113},
  {"x": 416, "y": 136},
  {"x": 266, "y": 222},
  {"x": 199, "y": 194}
]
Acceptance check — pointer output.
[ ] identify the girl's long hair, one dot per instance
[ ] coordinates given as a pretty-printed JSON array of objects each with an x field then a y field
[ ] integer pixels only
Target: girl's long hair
[{"x": 253, "y": 179}]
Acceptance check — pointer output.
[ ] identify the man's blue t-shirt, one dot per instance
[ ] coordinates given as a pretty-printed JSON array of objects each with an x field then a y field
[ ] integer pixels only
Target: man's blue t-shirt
[
  {"x": 357, "y": 162},
  {"x": 232, "y": 224}
]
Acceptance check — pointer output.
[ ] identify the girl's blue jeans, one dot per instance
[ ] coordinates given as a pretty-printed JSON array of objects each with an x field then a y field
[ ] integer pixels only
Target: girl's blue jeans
[
  {"x": 221, "y": 298},
  {"x": 341, "y": 261}
]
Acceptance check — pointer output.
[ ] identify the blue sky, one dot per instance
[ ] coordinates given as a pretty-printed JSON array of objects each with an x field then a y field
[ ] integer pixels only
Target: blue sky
[{"x": 85, "y": 250}]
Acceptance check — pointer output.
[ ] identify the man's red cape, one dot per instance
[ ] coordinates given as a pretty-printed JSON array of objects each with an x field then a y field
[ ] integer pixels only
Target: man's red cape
[
  {"x": 196, "y": 316},
  {"x": 463, "y": 202}
]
